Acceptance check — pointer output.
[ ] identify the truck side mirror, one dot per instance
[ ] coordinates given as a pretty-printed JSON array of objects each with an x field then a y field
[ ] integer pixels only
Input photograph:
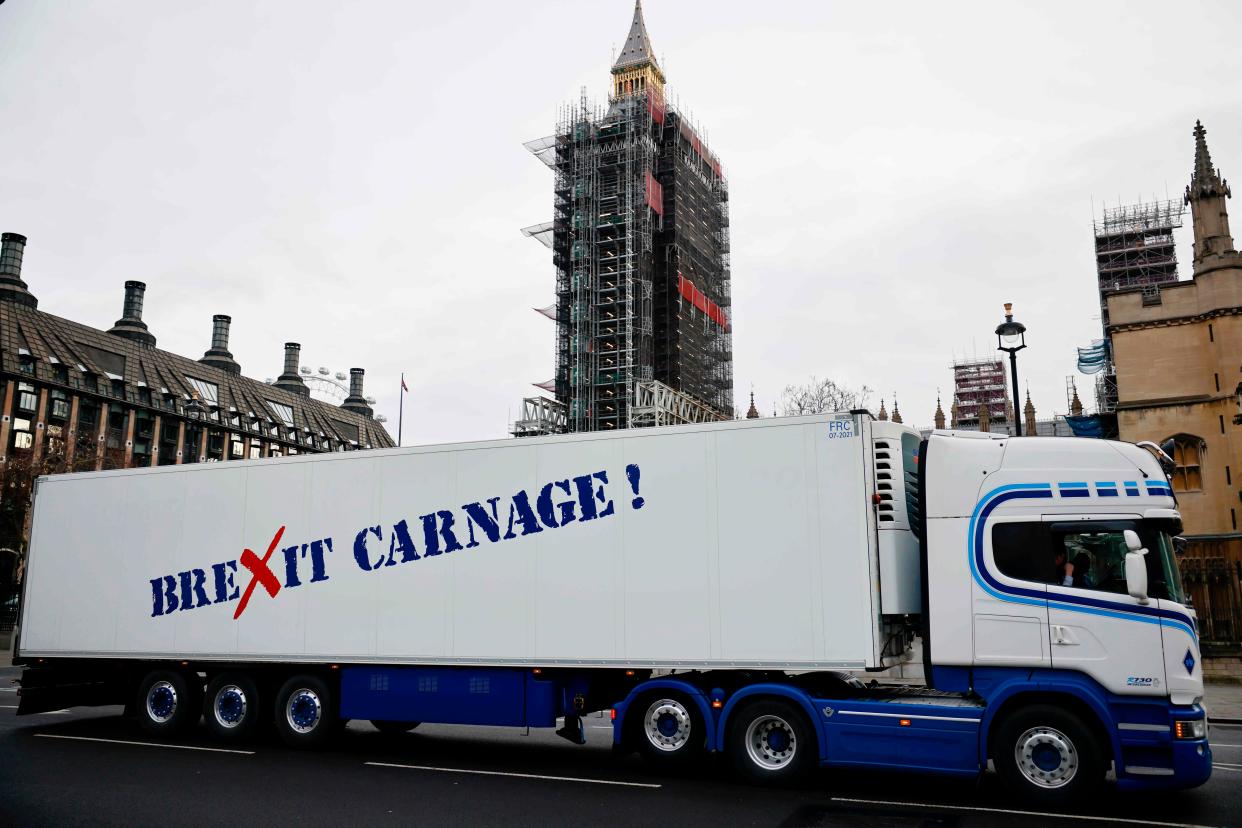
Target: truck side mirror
[{"x": 1136, "y": 567}]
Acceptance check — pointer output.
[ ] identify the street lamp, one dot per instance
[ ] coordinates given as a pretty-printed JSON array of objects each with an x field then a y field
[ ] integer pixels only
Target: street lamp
[{"x": 1011, "y": 338}]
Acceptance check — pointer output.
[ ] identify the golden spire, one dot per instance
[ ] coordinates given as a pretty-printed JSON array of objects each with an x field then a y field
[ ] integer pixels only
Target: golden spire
[
  {"x": 883, "y": 412},
  {"x": 635, "y": 69},
  {"x": 896, "y": 411},
  {"x": 938, "y": 417}
]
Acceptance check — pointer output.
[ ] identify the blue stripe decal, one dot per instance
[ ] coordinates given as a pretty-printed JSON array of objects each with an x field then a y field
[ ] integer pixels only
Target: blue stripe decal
[
  {"x": 1159, "y": 490},
  {"x": 1133, "y": 492},
  {"x": 1021, "y": 595},
  {"x": 1106, "y": 492},
  {"x": 1075, "y": 493}
]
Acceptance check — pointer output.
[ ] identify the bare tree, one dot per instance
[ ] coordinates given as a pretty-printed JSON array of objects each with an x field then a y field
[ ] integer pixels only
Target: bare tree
[{"x": 819, "y": 396}]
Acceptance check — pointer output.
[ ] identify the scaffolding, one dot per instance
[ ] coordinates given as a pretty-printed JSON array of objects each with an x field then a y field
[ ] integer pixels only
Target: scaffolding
[
  {"x": 540, "y": 416},
  {"x": 655, "y": 404},
  {"x": 640, "y": 246},
  {"x": 1134, "y": 248},
  {"x": 978, "y": 383}
]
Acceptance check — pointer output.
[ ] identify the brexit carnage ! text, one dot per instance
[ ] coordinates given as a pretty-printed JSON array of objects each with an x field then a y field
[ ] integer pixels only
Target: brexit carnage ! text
[{"x": 409, "y": 540}]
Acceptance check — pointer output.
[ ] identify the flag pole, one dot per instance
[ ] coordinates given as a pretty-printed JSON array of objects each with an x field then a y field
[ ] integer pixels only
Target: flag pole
[{"x": 401, "y": 408}]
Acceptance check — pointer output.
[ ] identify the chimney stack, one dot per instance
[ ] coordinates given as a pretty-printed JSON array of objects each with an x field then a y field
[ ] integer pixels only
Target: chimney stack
[
  {"x": 12, "y": 288},
  {"x": 290, "y": 380},
  {"x": 218, "y": 356},
  {"x": 130, "y": 325},
  {"x": 356, "y": 401}
]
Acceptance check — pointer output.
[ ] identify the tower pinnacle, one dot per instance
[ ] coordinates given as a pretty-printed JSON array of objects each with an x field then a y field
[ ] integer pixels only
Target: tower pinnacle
[
  {"x": 635, "y": 69},
  {"x": 752, "y": 413},
  {"x": 1206, "y": 196}
]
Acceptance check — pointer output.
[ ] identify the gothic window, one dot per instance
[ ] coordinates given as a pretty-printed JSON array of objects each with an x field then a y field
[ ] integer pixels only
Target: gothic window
[{"x": 1187, "y": 458}]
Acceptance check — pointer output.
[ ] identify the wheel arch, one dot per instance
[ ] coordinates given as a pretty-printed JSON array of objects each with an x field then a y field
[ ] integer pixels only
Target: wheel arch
[
  {"x": 1091, "y": 708},
  {"x": 783, "y": 692},
  {"x": 622, "y": 729}
]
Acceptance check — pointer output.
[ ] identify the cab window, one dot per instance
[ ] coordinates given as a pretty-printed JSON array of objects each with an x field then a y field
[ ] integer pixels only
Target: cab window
[{"x": 1087, "y": 555}]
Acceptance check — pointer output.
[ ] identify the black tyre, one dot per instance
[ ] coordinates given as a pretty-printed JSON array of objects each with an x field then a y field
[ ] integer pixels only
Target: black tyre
[
  {"x": 231, "y": 706},
  {"x": 1047, "y": 754},
  {"x": 388, "y": 726},
  {"x": 771, "y": 742},
  {"x": 305, "y": 712},
  {"x": 669, "y": 729},
  {"x": 168, "y": 702}
]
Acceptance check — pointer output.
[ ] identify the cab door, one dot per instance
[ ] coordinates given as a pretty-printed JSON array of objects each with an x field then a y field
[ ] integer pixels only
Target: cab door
[
  {"x": 1010, "y": 583},
  {"x": 1094, "y": 626}
]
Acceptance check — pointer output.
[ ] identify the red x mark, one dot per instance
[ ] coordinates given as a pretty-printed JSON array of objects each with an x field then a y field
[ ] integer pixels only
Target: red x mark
[{"x": 261, "y": 574}]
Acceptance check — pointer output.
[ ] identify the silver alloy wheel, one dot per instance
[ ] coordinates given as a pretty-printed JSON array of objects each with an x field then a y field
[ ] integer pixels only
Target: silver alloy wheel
[
  {"x": 161, "y": 701},
  {"x": 667, "y": 725},
  {"x": 303, "y": 710},
  {"x": 771, "y": 742},
  {"x": 229, "y": 706},
  {"x": 1046, "y": 757}
]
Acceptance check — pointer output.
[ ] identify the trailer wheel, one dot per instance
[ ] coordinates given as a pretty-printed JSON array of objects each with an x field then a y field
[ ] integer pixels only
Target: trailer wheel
[
  {"x": 770, "y": 742},
  {"x": 1047, "y": 754},
  {"x": 306, "y": 712},
  {"x": 390, "y": 726},
  {"x": 671, "y": 730},
  {"x": 169, "y": 701},
  {"x": 231, "y": 707}
]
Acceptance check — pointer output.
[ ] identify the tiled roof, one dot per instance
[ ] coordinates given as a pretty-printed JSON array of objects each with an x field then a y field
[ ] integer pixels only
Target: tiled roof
[{"x": 51, "y": 340}]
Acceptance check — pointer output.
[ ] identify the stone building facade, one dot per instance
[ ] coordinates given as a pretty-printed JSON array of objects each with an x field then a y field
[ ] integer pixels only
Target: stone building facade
[{"x": 1178, "y": 353}]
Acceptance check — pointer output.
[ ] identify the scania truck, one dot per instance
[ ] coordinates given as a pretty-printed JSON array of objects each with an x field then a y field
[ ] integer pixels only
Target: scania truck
[{"x": 717, "y": 587}]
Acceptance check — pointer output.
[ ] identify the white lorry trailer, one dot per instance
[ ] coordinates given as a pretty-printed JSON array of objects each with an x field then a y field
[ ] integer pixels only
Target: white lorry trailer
[{"x": 705, "y": 583}]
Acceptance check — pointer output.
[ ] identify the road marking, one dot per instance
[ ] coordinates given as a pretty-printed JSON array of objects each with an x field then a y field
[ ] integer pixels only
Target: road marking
[
  {"x": 1216, "y": 745},
  {"x": 519, "y": 775},
  {"x": 1227, "y": 768},
  {"x": 143, "y": 744},
  {"x": 8, "y": 689},
  {"x": 45, "y": 713},
  {"x": 948, "y": 807}
]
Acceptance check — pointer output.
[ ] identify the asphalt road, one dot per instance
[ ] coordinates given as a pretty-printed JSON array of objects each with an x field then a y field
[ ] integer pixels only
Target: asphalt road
[{"x": 90, "y": 766}]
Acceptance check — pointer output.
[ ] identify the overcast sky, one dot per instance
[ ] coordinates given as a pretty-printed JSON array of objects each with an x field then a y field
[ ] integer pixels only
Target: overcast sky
[{"x": 351, "y": 176}]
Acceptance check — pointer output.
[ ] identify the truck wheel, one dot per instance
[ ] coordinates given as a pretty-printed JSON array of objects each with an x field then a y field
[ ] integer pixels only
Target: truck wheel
[
  {"x": 1047, "y": 754},
  {"x": 231, "y": 708},
  {"x": 389, "y": 726},
  {"x": 306, "y": 712},
  {"x": 671, "y": 730},
  {"x": 770, "y": 742},
  {"x": 169, "y": 701}
]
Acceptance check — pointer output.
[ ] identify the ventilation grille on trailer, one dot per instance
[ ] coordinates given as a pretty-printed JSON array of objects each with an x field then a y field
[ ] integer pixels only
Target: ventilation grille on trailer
[{"x": 897, "y": 483}]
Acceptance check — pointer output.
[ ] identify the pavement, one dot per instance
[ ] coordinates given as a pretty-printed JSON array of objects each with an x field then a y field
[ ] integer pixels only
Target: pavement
[{"x": 1223, "y": 703}]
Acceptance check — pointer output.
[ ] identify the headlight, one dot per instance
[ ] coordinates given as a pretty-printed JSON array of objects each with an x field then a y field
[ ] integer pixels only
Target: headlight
[{"x": 1190, "y": 729}]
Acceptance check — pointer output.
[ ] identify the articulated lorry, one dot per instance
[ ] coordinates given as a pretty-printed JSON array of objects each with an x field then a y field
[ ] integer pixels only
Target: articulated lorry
[{"x": 714, "y": 586}]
